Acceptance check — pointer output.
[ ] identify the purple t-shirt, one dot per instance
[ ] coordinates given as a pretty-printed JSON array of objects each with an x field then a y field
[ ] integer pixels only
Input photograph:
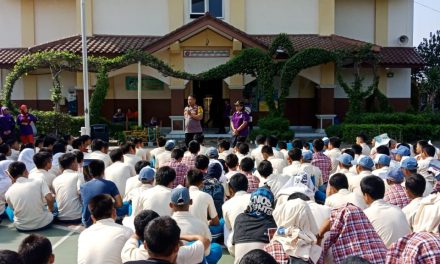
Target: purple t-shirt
[
  {"x": 239, "y": 118},
  {"x": 26, "y": 129}
]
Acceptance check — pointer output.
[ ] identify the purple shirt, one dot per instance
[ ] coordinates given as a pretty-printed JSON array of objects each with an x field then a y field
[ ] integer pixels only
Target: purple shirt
[
  {"x": 239, "y": 118},
  {"x": 26, "y": 129}
]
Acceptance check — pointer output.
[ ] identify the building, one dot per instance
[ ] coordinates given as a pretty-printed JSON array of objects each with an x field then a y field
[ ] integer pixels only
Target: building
[{"x": 179, "y": 33}]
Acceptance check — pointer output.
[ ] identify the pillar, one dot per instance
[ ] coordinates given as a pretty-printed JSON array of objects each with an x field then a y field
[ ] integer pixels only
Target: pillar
[
  {"x": 326, "y": 17},
  {"x": 381, "y": 23},
  {"x": 177, "y": 100}
]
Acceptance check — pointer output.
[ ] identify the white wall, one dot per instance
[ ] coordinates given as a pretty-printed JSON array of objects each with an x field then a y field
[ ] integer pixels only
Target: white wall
[
  {"x": 400, "y": 21},
  {"x": 130, "y": 17},
  {"x": 399, "y": 86},
  {"x": 54, "y": 19},
  {"x": 282, "y": 16},
  {"x": 347, "y": 75},
  {"x": 355, "y": 19},
  {"x": 44, "y": 84},
  {"x": 10, "y": 23}
]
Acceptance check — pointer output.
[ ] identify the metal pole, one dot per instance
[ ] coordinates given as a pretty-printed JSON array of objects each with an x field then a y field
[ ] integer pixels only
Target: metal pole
[
  {"x": 139, "y": 94},
  {"x": 85, "y": 69}
]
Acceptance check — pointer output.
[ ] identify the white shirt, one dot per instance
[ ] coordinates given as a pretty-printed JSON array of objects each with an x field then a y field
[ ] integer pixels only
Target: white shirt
[
  {"x": 257, "y": 155},
  {"x": 235, "y": 206},
  {"x": 388, "y": 220},
  {"x": 382, "y": 172},
  {"x": 99, "y": 155},
  {"x": 222, "y": 155},
  {"x": 46, "y": 176},
  {"x": 277, "y": 164},
  {"x": 344, "y": 196},
  {"x": 365, "y": 149},
  {"x": 135, "y": 196},
  {"x": 231, "y": 173},
  {"x": 163, "y": 158},
  {"x": 193, "y": 253},
  {"x": 354, "y": 183},
  {"x": 102, "y": 242},
  {"x": 320, "y": 212},
  {"x": 285, "y": 153},
  {"x": 333, "y": 154},
  {"x": 411, "y": 209},
  {"x": 202, "y": 204},
  {"x": 27, "y": 198},
  {"x": 277, "y": 154},
  {"x": 422, "y": 169},
  {"x": 131, "y": 159},
  {"x": 157, "y": 199},
  {"x": 142, "y": 154},
  {"x": 67, "y": 195},
  {"x": 119, "y": 173},
  {"x": 5, "y": 183},
  {"x": 275, "y": 182},
  {"x": 155, "y": 152},
  {"x": 132, "y": 183}
]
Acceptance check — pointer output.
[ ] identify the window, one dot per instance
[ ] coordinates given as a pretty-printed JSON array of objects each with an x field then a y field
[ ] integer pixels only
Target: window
[{"x": 200, "y": 7}]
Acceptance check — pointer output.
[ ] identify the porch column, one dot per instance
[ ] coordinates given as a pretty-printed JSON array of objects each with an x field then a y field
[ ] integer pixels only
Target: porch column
[
  {"x": 325, "y": 94},
  {"x": 177, "y": 100}
]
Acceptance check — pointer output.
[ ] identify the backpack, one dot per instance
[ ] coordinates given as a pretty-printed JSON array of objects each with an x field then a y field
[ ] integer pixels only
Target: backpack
[{"x": 214, "y": 188}]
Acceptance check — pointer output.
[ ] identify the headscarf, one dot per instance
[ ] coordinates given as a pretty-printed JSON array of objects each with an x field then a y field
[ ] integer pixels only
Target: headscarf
[
  {"x": 297, "y": 230},
  {"x": 5, "y": 180},
  {"x": 261, "y": 203},
  {"x": 4, "y": 108},
  {"x": 352, "y": 234},
  {"x": 301, "y": 182},
  {"x": 415, "y": 248},
  {"x": 26, "y": 156},
  {"x": 25, "y": 114}
]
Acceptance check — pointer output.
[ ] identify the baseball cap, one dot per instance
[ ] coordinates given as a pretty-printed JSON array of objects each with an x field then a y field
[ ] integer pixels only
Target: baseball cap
[
  {"x": 180, "y": 196},
  {"x": 326, "y": 140},
  {"x": 170, "y": 144},
  {"x": 146, "y": 174},
  {"x": 307, "y": 154},
  {"x": 409, "y": 163},
  {"x": 382, "y": 159},
  {"x": 364, "y": 161},
  {"x": 214, "y": 170},
  {"x": 395, "y": 175},
  {"x": 345, "y": 159},
  {"x": 382, "y": 139},
  {"x": 402, "y": 151},
  {"x": 212, "y": 153}
]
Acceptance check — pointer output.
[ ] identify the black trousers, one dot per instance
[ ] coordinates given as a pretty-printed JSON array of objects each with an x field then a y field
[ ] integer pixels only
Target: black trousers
[{"x": 189, "y": 137}]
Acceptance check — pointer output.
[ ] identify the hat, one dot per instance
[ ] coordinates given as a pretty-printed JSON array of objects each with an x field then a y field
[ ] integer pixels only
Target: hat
[
  {"x": 364, "y": 161},
  {"x": 402, "y": 151},
  {"x": 180, "y": 196},
  {"x": 212, "y": 153},
  {"x": 395, "y": 175},
  {"x": 326, "y": 140},
  {"x": 214, "y": 170},
  {"x": 240, "y": 103},
  {"x": 382, "y": 139},
  {"x": 345, "y": 159},
  {"x": 170, "y": 144},
  {"x": 146, "y": 174},
  {"x": 382, "y": 159},
  {"x": 307, "y": 155},
  {"x": 409, "y": 163},
  {"x": 86, "y": 162}
]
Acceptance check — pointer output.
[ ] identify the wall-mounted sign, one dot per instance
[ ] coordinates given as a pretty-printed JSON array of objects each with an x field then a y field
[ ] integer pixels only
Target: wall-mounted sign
[
  {"x": 148, "y": 83},
  {"x": 206, "y": 53}
]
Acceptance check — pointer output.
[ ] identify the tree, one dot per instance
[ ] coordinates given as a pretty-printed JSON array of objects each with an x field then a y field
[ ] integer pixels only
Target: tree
[{"x": 430, "y": 85}]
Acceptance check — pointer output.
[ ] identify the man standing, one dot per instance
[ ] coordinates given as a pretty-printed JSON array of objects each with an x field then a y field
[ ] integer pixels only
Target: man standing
[{"x": 193, "y": 115}]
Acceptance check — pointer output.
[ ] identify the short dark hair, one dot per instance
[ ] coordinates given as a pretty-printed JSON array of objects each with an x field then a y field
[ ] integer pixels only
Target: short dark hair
[
  {"x": 423, "y": 143},
  {"x": 142, "y": 220},
  {"x": 42, "y": 158},
  {"x": 96, "y": 168},
  {"x": 162, "y": 236},
  {"x": 177, "y": 153},
  {"x": 85, "y": 138},
  {"x": 243, "y": 148},
  {"x": 137, "y": 140},
  {"x": 373, "y": 186},
  {"x": 161, "y": 141},
  {"x": 257, "y": 256},
  {"x": 272, "y": 141},
  {"x": 49, "y": 141},
  {"x": 350, "y": 152},
  {"x": 10, "y": 257},
  {"x": 430, "y": 150},
  {"x": 416, "y": 184},
  {"x": 194, "y": 147},
  {"x": 355, "y": 260},
  {"x": 297, "y": 143},
  {"x": 4, "y": 148},
  {"x": 79, "y": 155},
  {"x": 165, "y": 175},
  {"x": 295, "y": 154},
  {"x": 202, "y": 162},
  {"x": 16, "y": 169},
  {"x": 338, "y": 181},
  {"x": 116, "y": 154},
  {"x": 3, "y": 157},
  {"x": 194, "y": 176},
  {"x": 298, "y": 195},
  {"x": 35, "y": 249},
  {"x": 199, "y": 138},
  {"x": 140, "y": 165},
  {"x": 76, "y": 143},
  {"x": 362, "y": 136},
  {"x": 260, "y": 139},
  {"x": 247, "y": 164},
  {"x": 282, "y": 145},
  {"x": 231, "y": 160},
  {"x": 267, "y": 150},
  {"x": 67, "y": 137},
  {"x": 59, "y": 147},
  {"x": 239, "y": 182},
  {"x": 127, "y": 146},
  {"x": 382, "y": 149},
  {"x": 66, "y": 160},
  {"x": 97, "y": 144},
  {"x": 318, "y": 144},
  {"x": 224, "y": 144},
  {"x": 265, "y": 168},
  {"x": 357, "y": 149},
  {"x": 101, "y": 206}
]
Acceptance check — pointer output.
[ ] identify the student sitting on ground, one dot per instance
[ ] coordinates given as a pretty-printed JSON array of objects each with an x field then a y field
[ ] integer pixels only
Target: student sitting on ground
[
  {"x": 99, "y": 151},
  {"x": 133, "y": 182},
  {"x": 43, "y": 163},
  {"x": 414, "y": 187},
  {"x": 36, "y": 249},
  {"x": 119, "y": 172},
  {"x": 396, "y": 194}
]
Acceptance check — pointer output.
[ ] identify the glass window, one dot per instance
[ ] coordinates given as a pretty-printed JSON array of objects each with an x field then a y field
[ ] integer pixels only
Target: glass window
[
  {"x": 216, "y": 8},
  {"x": 198, "y": 6}
]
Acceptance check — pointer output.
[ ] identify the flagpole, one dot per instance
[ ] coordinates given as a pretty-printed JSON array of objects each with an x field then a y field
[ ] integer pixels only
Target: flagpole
[{"x": 85, "y": 70}]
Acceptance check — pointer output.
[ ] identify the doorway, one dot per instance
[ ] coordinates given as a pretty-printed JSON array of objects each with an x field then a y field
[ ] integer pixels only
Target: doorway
[{"x": 209, "y": 95}]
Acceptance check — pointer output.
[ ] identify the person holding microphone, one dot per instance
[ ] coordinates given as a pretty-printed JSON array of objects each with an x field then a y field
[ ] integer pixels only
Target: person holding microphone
[{"x": 193, "y": 115}]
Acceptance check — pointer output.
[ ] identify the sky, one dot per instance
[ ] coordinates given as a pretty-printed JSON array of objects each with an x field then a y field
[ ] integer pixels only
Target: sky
[{"x": 426, "y": 19}]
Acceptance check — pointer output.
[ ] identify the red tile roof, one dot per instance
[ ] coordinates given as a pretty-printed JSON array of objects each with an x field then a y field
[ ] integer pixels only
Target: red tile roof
[
  {"x": 401, "y": 57},
  {"x": 8, "y": 57}
]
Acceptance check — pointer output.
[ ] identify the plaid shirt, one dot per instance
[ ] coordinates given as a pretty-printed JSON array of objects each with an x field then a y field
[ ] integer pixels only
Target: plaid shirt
[
  {"x": 415, "y": 248},
  {"x": 190, "y": 161},
  {"x": 324, "y": 163},
  {"x": 253, "y": 182},
  {"x": 181, "y": 171},
  {"x": 396, "y": 195},
  {"x": 436, "y": 187},
  {"x": 351, "y": 233},
  {"x": 275, "y": 249}
]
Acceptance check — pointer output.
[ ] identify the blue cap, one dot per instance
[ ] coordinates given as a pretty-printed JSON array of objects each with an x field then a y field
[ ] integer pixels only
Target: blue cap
[
  {"x": 402, "y": 151},
  {"x": 180, "y": 196},
  {"x": 214, "y": 170},
  {"x": 395, "y": 175},
  {"x": 146, "y": 174},
  {"x": 345, "y": 159},
  {"x": 409, "y": 163},
  {"x": 170, "y": 144},
  {"x": 382, "y": 159},
  {"x": 326, "y": 140},
  {"x": 212, "y": 153},
  {"x": 307, "y": 155},
  {"x": 364, "y": 161}
]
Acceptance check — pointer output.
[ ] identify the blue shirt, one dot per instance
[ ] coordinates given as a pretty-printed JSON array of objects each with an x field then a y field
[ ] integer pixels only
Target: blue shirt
[{"x": 91, "y": 189}]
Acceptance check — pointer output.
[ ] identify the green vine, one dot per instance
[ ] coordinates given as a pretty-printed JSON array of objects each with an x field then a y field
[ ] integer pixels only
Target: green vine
[{"x": 281, "y": 42}]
